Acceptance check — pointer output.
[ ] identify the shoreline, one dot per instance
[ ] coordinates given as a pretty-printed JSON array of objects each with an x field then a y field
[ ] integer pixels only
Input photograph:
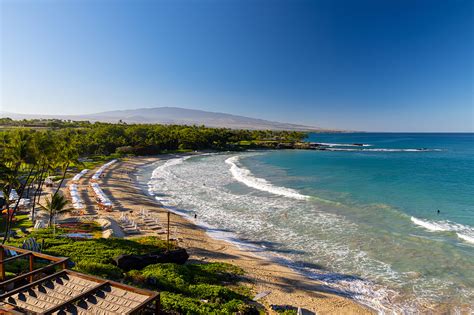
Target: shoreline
[{"x": 287, "y": 286}]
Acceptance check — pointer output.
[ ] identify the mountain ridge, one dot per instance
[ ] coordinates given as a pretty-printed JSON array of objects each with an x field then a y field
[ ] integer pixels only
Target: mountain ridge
[{"x": 175, "y": 115}]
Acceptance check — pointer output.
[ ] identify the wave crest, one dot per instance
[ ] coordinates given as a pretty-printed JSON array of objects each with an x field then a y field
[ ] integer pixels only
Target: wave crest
[
  {"x": 246, "y": 177},
  {"x": 464, "y": 232},
  {"x": 167, "y": 164}
]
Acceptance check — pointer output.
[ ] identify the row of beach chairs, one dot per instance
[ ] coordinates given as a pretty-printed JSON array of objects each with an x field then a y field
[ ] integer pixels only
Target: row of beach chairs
[
  {"x": 145, "y": 221},
  {"x": 128, "y": 225},
  {"x": 151, "y": 222}
]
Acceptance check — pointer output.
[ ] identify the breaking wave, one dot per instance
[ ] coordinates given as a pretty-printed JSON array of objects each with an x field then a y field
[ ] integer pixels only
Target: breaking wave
[
  {"x": 342, "y": 144},
  {"x": 246, "y": 177},
  {"x": 466, "y": 233}
]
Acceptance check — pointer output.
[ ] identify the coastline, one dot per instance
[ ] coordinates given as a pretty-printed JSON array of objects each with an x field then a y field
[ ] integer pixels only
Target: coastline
[{"x": 287, "y": 286}]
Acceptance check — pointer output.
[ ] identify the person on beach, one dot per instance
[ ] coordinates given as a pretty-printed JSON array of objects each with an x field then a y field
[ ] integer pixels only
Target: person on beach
[{"x": 195, "y": 216}]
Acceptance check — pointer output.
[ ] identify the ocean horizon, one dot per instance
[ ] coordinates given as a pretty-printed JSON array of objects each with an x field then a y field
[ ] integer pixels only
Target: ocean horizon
[{"x": 386, "y": 219}]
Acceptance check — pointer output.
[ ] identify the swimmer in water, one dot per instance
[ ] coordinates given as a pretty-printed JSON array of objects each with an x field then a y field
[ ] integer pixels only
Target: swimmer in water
[{"x": 439, "y": 211}]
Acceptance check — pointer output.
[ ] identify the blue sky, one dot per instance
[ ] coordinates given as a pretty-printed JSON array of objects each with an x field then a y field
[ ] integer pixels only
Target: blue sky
[{"x": 404, "y": 65}]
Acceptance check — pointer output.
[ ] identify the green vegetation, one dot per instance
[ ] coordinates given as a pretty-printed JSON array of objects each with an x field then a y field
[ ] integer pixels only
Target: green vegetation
[
  {"x": 210, "y": 288},
  {"x": 195, "y": 288},
  {"x": 32, "y": 150},
  {"x": 92, "y": 250},
  {"x": 54, "y": 206},
  {"x": 108, "y": 138},
  {"x": 21, "y": 222}
]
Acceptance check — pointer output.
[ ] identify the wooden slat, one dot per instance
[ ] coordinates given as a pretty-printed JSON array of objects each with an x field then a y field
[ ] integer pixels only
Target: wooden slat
[
  {"x": 14, "y": 257},
  {"x": 36, "y": 254},
  {"x": 61, "y": 261},
  {"x": 114, "y": 284},
  {"x": 144, "y": 304},
  {"x": 152, "y": 295},
  {"x": 32, "y": 284},
  {"x": 2, "y": 267},
  {"x": 81, "y": 296},
  {"x": 32, "y": 273}
]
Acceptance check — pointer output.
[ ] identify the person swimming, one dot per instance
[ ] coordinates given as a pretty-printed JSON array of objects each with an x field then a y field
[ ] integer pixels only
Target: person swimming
[{"x": 439, "y": 211}]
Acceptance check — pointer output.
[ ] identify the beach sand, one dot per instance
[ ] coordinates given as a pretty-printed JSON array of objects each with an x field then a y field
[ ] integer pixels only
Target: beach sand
[{"x": 287, "y": 287}]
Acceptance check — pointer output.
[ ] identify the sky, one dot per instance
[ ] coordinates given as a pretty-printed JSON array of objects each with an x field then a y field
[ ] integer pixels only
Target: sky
[{"x": 391, "y": 65}]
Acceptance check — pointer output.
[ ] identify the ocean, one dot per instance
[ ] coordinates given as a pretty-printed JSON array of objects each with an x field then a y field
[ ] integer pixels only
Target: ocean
[{"x": 362, "y": 219}]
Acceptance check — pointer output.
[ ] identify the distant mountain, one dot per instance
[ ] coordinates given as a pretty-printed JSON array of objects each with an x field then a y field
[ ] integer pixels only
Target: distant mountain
[{"x": 175, "y": 115}]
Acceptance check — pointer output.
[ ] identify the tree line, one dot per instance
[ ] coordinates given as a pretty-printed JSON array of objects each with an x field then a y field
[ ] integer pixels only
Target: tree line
[{"x": 30, "y": 150}]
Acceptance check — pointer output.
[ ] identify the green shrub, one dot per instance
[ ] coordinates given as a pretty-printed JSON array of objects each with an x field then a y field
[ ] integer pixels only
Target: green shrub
[
  {"x": 17, "y": 266},
  {"x": 194, "y": 288},
  {"x": 213, "y": 292},
  {"x": 172, "y": 302},
  {"x": 169, "y": 277},
  {"x": 214, "y": 273},
  {"x": 209, "y": 288},
  {"x": 107, "y": 271},
  {"x": 101, "y": 250}
]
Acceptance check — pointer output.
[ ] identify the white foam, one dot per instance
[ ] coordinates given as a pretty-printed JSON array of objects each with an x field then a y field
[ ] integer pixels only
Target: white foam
[
  {"x": 201, "y": 187},
  {"x": 341, "y": 144},
  {"x": 464, "y": 232},
  {"x": 383, "y": 150},
  {"x": 467, "y": 238},
  {"x": 431, "y": 226},
  {"x": 246, "y": 177},
  {"x": 204, "y": 187},
  {"x": 169, "y": 163}
]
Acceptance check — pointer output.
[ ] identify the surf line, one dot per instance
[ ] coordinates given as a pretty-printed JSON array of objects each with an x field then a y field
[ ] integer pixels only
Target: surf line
[{"x": 246, "y": 177}]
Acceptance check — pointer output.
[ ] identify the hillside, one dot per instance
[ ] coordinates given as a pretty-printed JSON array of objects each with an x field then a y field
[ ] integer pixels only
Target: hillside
[{"x": 175, "y": 115}]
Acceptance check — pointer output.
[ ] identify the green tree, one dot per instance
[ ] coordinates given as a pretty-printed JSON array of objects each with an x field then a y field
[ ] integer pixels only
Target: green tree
[{"x": 54, "y": 205}]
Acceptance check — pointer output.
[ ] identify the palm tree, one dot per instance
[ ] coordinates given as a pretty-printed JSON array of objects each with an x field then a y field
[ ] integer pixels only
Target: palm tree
[
  {"x": 67, "y": 154},
  {"x": 20, "y": 153},
  {"x": 54, "y": 206}
]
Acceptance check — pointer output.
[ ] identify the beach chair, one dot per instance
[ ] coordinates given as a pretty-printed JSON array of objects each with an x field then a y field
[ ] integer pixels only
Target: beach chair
[
  {"x": 153, "y": 224},
  {"x": 133, "y": 229},
  {"x": 125, "y": 222},
  {"x": 149, "y": 220}
]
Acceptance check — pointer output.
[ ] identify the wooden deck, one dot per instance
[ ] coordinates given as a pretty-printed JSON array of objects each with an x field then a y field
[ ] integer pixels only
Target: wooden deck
[{"x": 49, "y": 291}]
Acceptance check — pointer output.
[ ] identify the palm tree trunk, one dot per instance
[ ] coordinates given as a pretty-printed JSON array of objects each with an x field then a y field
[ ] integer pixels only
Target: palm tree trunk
[
  {"x": 10, "y": 216},
  {"x": 37, "y": 192},
  {"x": 62, "y": 179},
  {"x": 9, "y": 189},
  {"x": 41, "y": 186},
  {"x": 50, "y": 221}
]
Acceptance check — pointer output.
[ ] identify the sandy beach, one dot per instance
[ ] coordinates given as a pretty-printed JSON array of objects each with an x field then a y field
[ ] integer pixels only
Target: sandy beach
[{"x": 287, "y": 287}]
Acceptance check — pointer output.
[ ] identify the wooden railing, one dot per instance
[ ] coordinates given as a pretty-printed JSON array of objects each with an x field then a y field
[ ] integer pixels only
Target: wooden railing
[
  {"x": 55, "y": 261},
  {"x": 151, "y": 304}
]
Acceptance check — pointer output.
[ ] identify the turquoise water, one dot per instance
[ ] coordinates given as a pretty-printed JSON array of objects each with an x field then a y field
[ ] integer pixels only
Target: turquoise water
[
  {"x": 363, "y": 220},
  {"x": 416, "y": 183}
]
